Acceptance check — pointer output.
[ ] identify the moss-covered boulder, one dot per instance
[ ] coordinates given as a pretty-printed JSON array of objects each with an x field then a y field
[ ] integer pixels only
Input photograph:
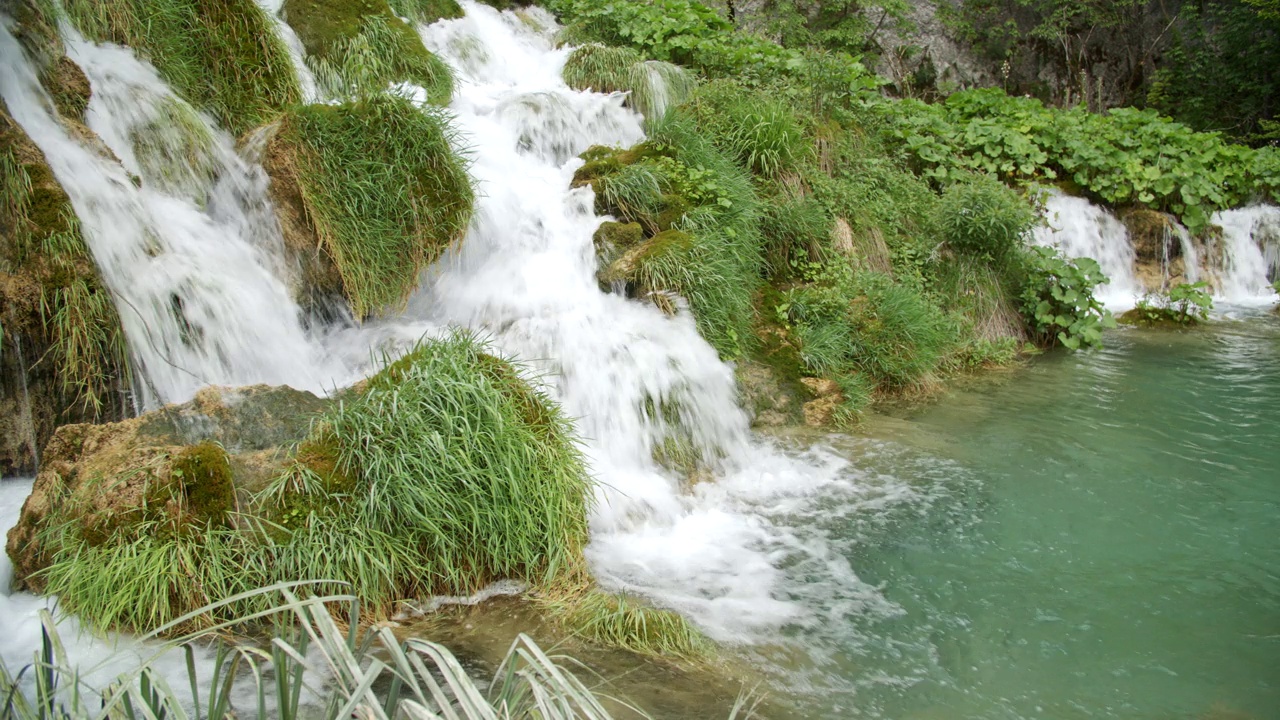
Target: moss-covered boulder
[
  {"x": 637, "y": 266},
  {"x": 174, "y": 470},
  {"x": 368, "y": 193},
  {"x": 62, "y": 352}
]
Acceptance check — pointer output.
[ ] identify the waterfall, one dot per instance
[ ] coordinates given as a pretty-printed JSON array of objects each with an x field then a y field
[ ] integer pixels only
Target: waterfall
[
  {"x": 1078, "y": 228},
  {"x": 193, "y": 255},
  {"x": 1250, "y": 253},
  {"x": 180, "y": 228}
]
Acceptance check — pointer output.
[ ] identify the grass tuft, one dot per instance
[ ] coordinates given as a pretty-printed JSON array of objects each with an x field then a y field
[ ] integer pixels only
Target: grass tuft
[
  {"x": 384, "y": 189},
  {"x": 445, "y": 472},
  {"x": 629, "y": 623}
]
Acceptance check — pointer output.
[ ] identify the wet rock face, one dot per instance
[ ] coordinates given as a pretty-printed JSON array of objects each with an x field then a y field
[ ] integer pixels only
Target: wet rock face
[{"x": 163, "y": 471}]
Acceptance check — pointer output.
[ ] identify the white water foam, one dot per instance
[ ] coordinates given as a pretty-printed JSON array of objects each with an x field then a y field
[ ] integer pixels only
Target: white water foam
[
  {"x": 1250, "y": 254},
  {"x": 1078, "y": 228}
]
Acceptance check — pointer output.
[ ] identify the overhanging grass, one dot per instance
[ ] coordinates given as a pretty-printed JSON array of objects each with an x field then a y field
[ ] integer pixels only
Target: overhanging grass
[
  {"x": 222, "y": 56},
  {"x": 363, "y": 46},
  {"x": 384, "y": 190},
  {"x": 629, "y": 623}
]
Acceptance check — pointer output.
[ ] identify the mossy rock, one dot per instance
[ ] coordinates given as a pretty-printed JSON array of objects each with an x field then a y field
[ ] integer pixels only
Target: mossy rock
[
  {"x": 179, "y": 469},
  {"x": 372, "y": 193},
  {"x": 330, "y": 31},
  {"x": 630, "y": 267},
  {"x": 612, "y": 239},
  {"x": 68, "y": 86},
  {"x": 1156, "y": 317},
  {"x": 601, "y": 161}
]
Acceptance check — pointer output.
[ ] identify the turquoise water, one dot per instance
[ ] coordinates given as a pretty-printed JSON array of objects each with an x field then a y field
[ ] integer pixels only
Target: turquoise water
[{"x": 1094, "y": 536}]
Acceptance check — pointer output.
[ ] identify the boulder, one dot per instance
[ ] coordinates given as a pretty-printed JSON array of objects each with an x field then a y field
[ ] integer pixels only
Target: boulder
[{"x": 180, "y": 465}]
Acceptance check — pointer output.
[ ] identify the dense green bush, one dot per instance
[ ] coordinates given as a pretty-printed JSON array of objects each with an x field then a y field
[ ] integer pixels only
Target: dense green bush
[
  {"x": 851, "y": 322},
  {"x": 982, "y": 219},
  {"x": 1058, "y": 302},
  {"x": 1126, "y": 156}
]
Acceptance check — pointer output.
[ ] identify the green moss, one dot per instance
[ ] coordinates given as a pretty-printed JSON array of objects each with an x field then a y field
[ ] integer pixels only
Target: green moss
[
  {"x": 204, "y": 475},
  {"x": 384, "y": 190},
  {"x": 68, "y": 86},
  {"x": 618, "y": 235},
  {"x": 360, "y": 46}
]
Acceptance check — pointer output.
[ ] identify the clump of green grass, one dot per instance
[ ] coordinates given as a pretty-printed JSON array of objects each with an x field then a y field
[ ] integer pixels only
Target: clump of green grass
[
  {"x": 426, "y": 12},
  {"x": 625, "y": 622},
  {"x": 384, "y": 189},
  {"x": 445, "y": 472},
  {"x": 601, "y": 68},
  {"x": 362, "y": 47},
  {"x": 653, "y": 86},
  {"x": 863, "y": 322},
  {"x": 222, "y": 56},
  {"x": 760, "y": 130}
]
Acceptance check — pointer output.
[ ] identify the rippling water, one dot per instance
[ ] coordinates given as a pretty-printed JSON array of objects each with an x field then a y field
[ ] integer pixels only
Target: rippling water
[{"x": 1099, "y": 538}]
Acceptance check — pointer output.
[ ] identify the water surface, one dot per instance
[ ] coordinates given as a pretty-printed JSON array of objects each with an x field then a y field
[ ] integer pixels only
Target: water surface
[{"x": 1098, "y": 536}]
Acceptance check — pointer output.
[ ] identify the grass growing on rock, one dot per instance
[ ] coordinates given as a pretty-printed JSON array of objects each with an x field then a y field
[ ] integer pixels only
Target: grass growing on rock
[
  {"x": 222, "y": 56},
  {"x": 383, "y": 188},
  {"x": 52, "y": 291},
  {"x": 652, "y": 85},
  {"x": 363, "y": 46},
  {"x": 446, "y": 471}
]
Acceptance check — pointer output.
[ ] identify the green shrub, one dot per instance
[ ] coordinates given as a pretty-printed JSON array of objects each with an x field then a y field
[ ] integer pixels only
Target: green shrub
[
  {"x": 1058, "y": 300},
  {"x": 862, "y": 322},
  {"x": 385, "y": 191},
  {"x": 983, "y": 219}
]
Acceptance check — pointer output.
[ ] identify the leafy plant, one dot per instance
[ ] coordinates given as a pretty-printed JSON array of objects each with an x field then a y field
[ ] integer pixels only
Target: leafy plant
[
  {"x": 1058, "y": 300},
  {"x": 981, "y": 218},
  {"x": 1184, "y": 304}
]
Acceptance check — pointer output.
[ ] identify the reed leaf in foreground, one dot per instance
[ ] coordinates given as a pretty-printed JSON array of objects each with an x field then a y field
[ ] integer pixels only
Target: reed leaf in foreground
[{"x": 312, "y": 667}]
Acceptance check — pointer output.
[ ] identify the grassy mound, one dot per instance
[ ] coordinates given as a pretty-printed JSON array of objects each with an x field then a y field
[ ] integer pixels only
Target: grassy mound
[
  {"x": 382, "y": 188},
  {"x": 222, "y": 56},
  {"x": 444, "y": 472},
  {"x": 653, "y": 86},
  {"x": 359, "y": 47}
]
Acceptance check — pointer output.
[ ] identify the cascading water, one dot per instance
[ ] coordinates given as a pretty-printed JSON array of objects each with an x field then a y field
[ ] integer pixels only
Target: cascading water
[
  {"x": 180, "y": 229},
  {"x": 1078, "y": 228},
  {"x": 1250, "y": 253},
  {"x": 526, "y": 273}
]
